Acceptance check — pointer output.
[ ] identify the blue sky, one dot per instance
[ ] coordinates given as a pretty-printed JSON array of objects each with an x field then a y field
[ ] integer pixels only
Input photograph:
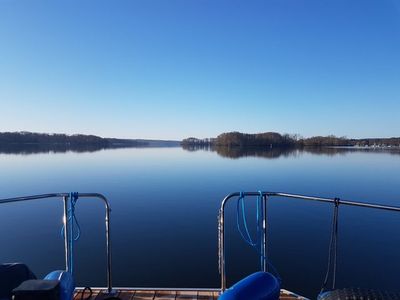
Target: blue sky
[{"x": 171, "y": 69}]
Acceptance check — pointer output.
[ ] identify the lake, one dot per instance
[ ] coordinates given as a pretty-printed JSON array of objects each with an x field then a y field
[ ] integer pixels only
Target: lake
[{"x": 165, "y": 204}]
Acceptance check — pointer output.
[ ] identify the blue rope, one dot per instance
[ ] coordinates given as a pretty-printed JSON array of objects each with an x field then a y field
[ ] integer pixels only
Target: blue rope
[
  {"x": 74, "y": 199},
  {"x": 259, "y": 214},
  {"x": 72, "y": 217},
  {"x": 72, "y": 220},
  {"x": 241, "y": 207},
  {"x": 241, "y": 210}
]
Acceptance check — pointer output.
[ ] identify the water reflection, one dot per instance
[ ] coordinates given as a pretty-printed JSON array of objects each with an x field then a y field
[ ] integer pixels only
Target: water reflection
[
  {"x": 239, "y": 152},
  {"x": 171, "y": 197},
  {"x": 26, "y": 149},
  {"x": 273, "y": 153},
  {"x": 227, "y": 152},
  {"x": 332, "y": 151}
]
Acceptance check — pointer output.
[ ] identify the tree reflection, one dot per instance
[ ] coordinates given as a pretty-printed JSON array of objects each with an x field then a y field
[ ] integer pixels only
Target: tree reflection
[
  {"x": 26, "y": 149},
  {"x": 276, "y": 152}
]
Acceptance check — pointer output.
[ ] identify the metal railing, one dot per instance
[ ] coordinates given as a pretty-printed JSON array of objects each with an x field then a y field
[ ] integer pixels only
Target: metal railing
[
  {"x": 66, "y": 197},
  {"x": 265, "y": 196}
]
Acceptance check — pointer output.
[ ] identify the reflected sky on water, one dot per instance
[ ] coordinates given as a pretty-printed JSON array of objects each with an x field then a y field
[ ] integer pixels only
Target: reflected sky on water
[{"x": 164, "y": 219}]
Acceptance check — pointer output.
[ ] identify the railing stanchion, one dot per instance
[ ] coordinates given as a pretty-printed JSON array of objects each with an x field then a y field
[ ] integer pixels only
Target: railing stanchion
[
  {"x": 109, "y": 277},
  {"x": 66, "y": 235},
  {"x": 221, "y": 246},
  {"x": 222, "y": 250},
  {"x": 265, "y": 229}
]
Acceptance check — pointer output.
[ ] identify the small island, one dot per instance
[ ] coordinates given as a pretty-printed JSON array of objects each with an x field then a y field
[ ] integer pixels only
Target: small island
[{"x": 277, "y": 140}]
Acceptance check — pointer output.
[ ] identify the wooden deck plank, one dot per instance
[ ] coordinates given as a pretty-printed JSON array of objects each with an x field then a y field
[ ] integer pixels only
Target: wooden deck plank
[
  {"x": 167, "y": 295},
  {"x": 103, "y": 295},
  {"x": 205, "y": 295},
  {"x": 126, "y": 295},
  {"x": 78, "y": 295},
  {"x": 186, "y": 295},
  {"x": 144, "y": 295}
]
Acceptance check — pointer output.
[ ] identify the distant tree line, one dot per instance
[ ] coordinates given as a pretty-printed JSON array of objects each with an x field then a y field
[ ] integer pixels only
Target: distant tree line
[
  {"x": 192, "y": 141},
  {"x": 64, "y": 141},
  {"x": 324, "y": 141},
  {"x": 43, "y": 138},
  {"x": 274, "y": 139},
  {"x": 238, "y": 139},
  {"x": 266, "y": 139}
]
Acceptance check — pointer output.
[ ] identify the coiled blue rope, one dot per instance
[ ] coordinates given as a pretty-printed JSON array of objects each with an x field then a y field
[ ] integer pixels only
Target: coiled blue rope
[
  {"x": 74, "y": 196},
  {"x": 254, "y": 243},
  {"x": 72, "y": 220},
  {"x": 241, "y": 210}
]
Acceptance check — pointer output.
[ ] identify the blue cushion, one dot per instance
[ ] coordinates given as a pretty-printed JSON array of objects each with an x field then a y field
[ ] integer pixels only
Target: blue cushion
[
  {"x": 257, "y": 286},
  {"x": 67, "y": 284}
]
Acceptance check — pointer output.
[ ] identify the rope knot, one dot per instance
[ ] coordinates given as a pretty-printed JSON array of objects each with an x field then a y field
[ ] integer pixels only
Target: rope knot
[
  {"x": 337, "y": 201},
  {"x": 74, "y": 197}
]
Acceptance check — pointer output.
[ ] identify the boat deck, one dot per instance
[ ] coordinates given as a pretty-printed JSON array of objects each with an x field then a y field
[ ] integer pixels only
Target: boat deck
[{"x": 165, "y": 295}]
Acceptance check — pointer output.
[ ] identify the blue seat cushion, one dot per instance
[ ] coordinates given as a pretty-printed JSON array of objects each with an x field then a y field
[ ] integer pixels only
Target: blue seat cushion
[
  {"x": 67, "y": 283},
  {"x": 257, "y": 286}
]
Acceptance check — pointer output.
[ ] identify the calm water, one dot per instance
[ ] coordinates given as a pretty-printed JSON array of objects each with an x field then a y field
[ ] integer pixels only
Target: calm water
[{"x": 164, "y": 218}]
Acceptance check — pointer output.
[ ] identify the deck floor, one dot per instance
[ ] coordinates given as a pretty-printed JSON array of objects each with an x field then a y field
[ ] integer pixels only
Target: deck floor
[{"x": 163, "y": 295}]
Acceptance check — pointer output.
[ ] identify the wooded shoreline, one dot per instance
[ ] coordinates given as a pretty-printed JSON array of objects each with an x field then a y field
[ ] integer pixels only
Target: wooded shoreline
[
  {"x": 229, "y": 139},
  {"x": 30, "y": 142},
  {"x": 274, "y": 139}
]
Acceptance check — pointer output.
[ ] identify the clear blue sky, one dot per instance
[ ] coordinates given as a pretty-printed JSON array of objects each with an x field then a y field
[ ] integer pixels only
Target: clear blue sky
[{"x": 171, "y": 69}]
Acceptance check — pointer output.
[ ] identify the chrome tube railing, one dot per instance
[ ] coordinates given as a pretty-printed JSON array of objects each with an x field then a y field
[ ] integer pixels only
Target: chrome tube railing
[
  {"x": 267, "y": 195},
  {"x": 65, "y": 197}
]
